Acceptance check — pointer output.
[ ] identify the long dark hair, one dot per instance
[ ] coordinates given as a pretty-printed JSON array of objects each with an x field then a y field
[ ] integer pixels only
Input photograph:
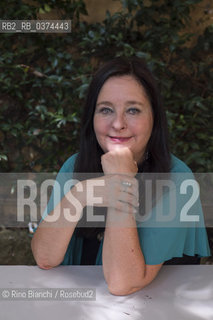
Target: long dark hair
[
  {"x": 157, "y": 152},
  {"x": 158, "y": 155}
]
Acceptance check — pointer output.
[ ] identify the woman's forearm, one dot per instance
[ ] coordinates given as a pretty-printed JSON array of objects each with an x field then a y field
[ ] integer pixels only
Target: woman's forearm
[
  {"x": 123, "y": 261},
  {"x": 51, "y": 239},
  {"x": 124, "y": 265},
  {"x": 49, "y": 245}
]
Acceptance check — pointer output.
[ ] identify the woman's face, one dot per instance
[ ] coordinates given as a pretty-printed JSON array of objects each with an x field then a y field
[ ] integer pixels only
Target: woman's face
[{"x": 123, "y": 116}]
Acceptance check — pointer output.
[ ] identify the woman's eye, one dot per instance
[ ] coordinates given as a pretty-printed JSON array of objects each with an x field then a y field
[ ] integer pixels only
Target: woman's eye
[
  {"x": 133, "y": 110},
  {"x": 105, "y": 110}
]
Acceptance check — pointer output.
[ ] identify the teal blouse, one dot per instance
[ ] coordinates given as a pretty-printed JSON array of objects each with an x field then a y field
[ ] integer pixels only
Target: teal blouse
[{"x": 160, "y": 241}]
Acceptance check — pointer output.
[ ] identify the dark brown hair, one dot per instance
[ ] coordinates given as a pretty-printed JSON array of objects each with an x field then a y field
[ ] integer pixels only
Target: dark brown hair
[
  {"x": 157, "y": 152},
  {"x": 158, "y": 160}
]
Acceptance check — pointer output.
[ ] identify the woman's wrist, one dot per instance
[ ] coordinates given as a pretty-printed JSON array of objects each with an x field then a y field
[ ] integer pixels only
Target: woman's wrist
[{"x": 79, "y": 193}]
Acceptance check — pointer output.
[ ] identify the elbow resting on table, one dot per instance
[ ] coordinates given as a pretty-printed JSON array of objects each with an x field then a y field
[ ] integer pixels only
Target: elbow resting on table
[
  {"x": 120, "y": 286},
  {"x": 44, "y": 266},
  {"x": 43, "y": 262},
  {"x": 124, "y": 289}
]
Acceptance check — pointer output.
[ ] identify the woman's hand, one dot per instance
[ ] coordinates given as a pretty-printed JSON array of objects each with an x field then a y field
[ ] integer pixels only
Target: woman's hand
[
  {"x": 119, "y": 161},
  {"x": 115, "y": 191}
]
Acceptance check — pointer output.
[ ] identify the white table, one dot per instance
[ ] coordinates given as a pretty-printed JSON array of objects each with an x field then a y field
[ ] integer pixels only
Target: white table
[{"x": 178, "y": 293}]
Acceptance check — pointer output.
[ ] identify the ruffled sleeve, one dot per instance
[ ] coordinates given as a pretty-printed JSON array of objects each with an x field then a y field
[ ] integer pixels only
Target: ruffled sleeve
[{"x": 176, "y": 225}]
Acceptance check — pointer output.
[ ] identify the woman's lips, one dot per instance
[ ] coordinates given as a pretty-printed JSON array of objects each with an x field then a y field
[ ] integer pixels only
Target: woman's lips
[{"x": 119, "y": 139}]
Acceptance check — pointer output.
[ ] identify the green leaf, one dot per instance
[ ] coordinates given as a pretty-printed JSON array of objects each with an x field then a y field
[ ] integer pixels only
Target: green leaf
[
  {"x": 47, "y": 8},
  {"x": 41, "y": 11},
  {"x": 3, "y": 157}
]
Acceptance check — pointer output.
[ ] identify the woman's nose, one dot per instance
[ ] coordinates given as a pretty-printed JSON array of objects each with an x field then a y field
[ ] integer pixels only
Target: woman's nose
[{"x": 119, "y": 122}]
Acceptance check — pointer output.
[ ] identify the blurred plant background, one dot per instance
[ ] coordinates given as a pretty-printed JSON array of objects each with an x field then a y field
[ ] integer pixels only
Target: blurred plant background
[
  {"x": 44, "y": 80},
  {"x": 44, "y": 77}
]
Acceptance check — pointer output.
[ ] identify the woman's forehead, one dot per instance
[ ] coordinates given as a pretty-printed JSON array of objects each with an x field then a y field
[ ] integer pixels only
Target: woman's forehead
[{"x": 118, "y": 86}]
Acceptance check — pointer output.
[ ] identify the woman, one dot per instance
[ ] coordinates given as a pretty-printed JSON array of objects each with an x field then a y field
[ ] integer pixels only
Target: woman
[{"x": 124, "y": 133}]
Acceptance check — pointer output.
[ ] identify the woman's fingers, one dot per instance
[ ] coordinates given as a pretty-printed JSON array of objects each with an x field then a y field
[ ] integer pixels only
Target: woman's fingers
[
  {"x": 114, "y": 191},
  {"x": 119, "y": 160},
  {"x": 125, "y": 207},
  {"x": 128, "y": 198},
  {"x": 121, "y": 192}
]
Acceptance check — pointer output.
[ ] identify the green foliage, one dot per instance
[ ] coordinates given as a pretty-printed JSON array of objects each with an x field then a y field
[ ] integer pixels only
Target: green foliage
[{"x": 44, "y": 78}]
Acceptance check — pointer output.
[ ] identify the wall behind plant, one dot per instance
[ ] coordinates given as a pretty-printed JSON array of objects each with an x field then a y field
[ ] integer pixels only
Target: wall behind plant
[{"x": 44, "y": 77}]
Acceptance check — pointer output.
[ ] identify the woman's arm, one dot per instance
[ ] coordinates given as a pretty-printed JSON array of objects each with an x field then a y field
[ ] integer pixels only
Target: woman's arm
[
  {"x": 51, "y": 239},
  {"x": 124, "y": 266}
]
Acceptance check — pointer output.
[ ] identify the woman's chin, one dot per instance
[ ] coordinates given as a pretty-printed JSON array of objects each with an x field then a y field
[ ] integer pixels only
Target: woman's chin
[{"x": 116, "y": 147}]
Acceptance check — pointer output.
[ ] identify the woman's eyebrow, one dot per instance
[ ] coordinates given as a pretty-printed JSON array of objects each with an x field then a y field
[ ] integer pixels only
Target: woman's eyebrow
[
  {"x": 134, "y": 102},
  {"x": 127, "y": 103},
  {"x": 106, "y": 103}
]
